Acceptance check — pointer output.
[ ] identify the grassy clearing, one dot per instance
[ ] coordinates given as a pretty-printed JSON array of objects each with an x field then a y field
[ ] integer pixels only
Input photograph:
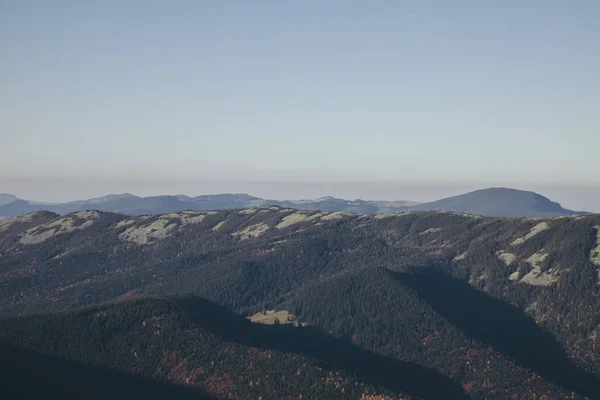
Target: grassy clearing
[{"x": 542, "y": 226}]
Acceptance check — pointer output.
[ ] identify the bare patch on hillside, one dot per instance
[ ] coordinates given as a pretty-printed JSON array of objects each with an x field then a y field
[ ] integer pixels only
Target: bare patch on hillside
[
  {"x": 251, "y": 231},
  {"x": 430, "y": 230},
  {"x": 470, "y": 215},
  {"x": 506, "y": 258},
  {"x": 537, "y": 259},
  {"x": 383, "y": 216},
  {"x": 44, "y": 232},
  {"x": 66, "y": 253},
  {"x": 461, "y": 256},
  {"x": 542, "y": 226},
  {"x": 595, "y": 252},
  {"x": 248, "y": 211},
  {"x": 514, "y": 276},
  {"x": 270, "y": 317},
  {"x": 125, "y": 222},
  {"x": 335, "y": 215},
  {"x": 316, "y": 216},
  {"x": 291, "y": 219},
  {"x": 187, "y": 217},
  {"x": 536, "y": 277},
  {"x": 160, "y": 228},
  {"x": 219, "y": 225},
  {"x": 144, "y": 234},
  {"x": 6, "y": 223},
  {"x": 87, "y": 214}
]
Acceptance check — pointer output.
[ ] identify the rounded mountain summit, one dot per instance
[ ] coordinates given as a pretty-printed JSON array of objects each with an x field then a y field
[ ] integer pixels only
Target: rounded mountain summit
[{"x": 499, "y": 202}]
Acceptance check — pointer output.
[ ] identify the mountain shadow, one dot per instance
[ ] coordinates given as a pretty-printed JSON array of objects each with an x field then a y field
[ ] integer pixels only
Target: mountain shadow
[
  {"x": 504, "y": 327},
  {"x": 368, "y": 367},
  {"x": 27, "y": 375}
]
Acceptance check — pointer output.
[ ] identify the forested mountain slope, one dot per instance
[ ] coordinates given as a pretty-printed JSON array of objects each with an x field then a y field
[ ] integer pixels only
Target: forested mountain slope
[
  {"x": 502, "y": 307},
  {"x": 27, "y": 374},
  {"x": 193, "y": 342}
]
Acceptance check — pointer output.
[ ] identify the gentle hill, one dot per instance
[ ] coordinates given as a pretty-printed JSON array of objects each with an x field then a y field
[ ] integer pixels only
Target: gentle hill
[
  {"x": 228, "y": 198},
  {"x": 104, "y": 199},
  {"x": 12, "y": 206},
  {"x": 498, "y": 202},
  {"x": 19, "y": 207}
]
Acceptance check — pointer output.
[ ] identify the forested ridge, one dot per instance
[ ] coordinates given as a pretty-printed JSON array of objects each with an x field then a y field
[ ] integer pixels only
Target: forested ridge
[{"x": 484, "y": 307}]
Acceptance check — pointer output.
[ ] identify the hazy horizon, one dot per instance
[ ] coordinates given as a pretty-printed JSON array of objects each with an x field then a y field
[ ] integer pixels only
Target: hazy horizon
[
  {"x": 575, "y": 197},
  {"x": 428, "y": 98}
]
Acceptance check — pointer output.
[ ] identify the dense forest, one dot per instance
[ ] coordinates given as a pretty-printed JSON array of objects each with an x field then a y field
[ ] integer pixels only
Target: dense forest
[
  {"x": 198, "y": 344},
  {"x": 407, "y": 306}
]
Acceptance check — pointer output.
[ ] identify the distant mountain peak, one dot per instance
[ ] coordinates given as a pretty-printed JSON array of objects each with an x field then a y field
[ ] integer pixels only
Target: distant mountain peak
[
  {"x": 6, "y": 198},
  {"x": 498, "y": 202},
  {"x": 493, "y": 202}
]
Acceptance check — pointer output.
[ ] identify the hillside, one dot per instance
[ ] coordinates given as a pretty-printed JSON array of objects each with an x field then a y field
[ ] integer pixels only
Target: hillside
[
  {"x": 32, "y": 375},
  {"x": 381, "y": 282},
  {"x": 126, "y": 203},
  {"x": 6, "y": 198},
  {"x": 197, "y": 344},
  {"x": 498, "y": 202}
]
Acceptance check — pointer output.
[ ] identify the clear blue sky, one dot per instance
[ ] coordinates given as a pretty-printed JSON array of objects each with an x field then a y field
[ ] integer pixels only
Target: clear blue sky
[{"x": 407, "y": 91}]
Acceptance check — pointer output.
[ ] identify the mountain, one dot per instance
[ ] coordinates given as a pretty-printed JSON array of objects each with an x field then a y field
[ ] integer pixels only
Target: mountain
[
  {"x": 32, "y": 375},
  {"x": 194, "y": 342},
  {"x": 131, "y": 205},
  {"x": 6, "y": 198},
  {"x": 498, "y": 202},
  {"x": 19, "y": 207},
  {"x": 111, "y": 198},
  {"x": 496, "y": 308}
]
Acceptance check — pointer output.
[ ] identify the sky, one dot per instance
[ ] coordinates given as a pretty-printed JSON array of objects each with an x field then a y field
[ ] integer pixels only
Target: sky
[{"x": 289, "y": 99}]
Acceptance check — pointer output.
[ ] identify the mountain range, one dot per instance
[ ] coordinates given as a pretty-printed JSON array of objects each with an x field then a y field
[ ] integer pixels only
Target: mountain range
[
  {"x": 279, "y": 303},
  {"x": 497, "y": 202}
]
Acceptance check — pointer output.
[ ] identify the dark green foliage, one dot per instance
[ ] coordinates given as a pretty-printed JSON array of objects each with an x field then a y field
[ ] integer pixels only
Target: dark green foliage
[
  {"x": 28, "y": 375},
  {"x": 356, "y": 277},
  {"x": 198, "y": 344},
  {"x": 378, "y": 310}
]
